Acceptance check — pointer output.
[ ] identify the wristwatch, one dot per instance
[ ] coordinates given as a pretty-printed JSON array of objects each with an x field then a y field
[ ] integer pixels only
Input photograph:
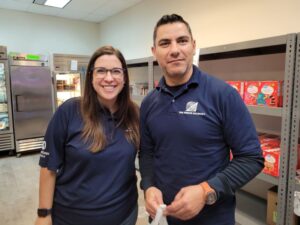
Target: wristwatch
[
  {"x": 43, "y": 212},
  {"x": 210, "y": 194}
]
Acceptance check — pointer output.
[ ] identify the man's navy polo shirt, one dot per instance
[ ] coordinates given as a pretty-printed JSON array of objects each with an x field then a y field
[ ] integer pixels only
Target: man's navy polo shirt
[{"x": 186, "y": 139}]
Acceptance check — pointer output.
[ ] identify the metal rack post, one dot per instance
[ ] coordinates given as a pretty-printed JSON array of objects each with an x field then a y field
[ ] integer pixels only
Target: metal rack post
[{"x": 292, "y": 185}]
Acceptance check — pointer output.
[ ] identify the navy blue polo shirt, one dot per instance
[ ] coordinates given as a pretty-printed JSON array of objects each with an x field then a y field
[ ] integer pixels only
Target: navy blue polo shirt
[
  {"x": 186, "y": 138},
  {"x": 103, "y": 183}
]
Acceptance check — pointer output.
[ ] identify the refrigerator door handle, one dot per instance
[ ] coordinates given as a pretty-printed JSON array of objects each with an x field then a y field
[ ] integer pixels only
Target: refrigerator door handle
[
  {"x": 33, "y": 104},
  {"x": 17, "y": 97}
]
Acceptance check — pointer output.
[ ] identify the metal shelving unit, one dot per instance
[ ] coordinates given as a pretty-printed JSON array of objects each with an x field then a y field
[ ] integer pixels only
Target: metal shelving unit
[
  {"x": 262, "y": 110},
  {"x": 141, "y": 77},
  {"x": 250, "y": 60},
  {"x": 268, "y": 178},
  {"x": 293, "y": 184}
]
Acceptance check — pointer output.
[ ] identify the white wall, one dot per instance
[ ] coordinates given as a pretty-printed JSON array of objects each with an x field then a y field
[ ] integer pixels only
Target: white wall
[
  {"x": 214, "y": 22},
  {"x": 33, "y": 33}
]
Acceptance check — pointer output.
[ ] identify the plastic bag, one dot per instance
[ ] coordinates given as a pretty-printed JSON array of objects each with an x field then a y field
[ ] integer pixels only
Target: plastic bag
[{"x": 160, "y": 219}]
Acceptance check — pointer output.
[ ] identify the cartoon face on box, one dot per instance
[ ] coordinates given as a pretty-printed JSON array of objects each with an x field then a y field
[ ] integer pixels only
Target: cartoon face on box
[
  {"x": 269, "y": 93},
  {"x": 251, "y": 92},
  {"x": 272, "y": 158}
]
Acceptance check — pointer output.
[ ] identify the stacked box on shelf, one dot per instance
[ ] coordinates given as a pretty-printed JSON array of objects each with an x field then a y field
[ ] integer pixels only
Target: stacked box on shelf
[
  {"x": 270, "y": 145},
  {"x": 251, "y": 92},
  {"x": 270, "y": 93},
  {"x": 264, "y": 93},
  {"x": 272, "y": 160},
  {"x": 237, "y": 85}
]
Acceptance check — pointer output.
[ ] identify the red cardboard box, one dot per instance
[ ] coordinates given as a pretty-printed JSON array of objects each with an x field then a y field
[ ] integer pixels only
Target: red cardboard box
[
  {"x": 270, "y": 93},
  {"x": 269, "y": 141},
  {"x": 251, "y": 89},
  {"x": 272, "y": 161},
  {"x": 237, "y": 85}
]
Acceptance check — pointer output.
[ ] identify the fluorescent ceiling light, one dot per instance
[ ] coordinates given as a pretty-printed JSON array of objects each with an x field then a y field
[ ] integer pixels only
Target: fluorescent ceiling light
[
  {"x": 53, "y": 3},
  {"x": 57, "y": 3}
]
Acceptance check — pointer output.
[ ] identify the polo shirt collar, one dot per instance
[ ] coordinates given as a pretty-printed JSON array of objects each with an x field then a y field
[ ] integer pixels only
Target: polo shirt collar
[
  {"x": 194, "y": 80},
  {"x": 106, "y": 114}
]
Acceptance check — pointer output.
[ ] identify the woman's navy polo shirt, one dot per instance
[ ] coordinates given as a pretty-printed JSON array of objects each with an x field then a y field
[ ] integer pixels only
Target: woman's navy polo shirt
[
  {"x": 102, "y": 183},
  {"x": 186, "y": 138}
]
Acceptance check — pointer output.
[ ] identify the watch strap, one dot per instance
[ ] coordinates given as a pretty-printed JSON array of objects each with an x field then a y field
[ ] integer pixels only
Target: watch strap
[
  {"x": 206, "y": 187},
  {"x": 210, "y": 193}
]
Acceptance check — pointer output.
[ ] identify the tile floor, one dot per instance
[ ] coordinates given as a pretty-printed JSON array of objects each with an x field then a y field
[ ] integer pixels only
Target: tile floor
[{"x": 19, "y": 178}]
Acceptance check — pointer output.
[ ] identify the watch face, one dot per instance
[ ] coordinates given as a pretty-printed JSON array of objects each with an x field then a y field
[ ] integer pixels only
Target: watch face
[
  {"x": 211, "y": 198},
  {"x": 43, "y": 212}
]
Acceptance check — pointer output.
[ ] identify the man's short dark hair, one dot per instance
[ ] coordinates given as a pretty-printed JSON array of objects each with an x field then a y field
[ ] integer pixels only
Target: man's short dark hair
[{"x": 166, "y": 19}]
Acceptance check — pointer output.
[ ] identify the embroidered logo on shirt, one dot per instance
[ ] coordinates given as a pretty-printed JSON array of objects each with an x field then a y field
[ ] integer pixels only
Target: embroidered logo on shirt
[
  {"x": 44, "y": 145},
  {"x": 44, "y": 154},
  {"x": 191, "y": 109}
]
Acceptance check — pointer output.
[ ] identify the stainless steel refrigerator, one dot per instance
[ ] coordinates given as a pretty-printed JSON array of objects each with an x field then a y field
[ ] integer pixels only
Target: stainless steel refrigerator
[
  {"x": 31, "y": 88},
  {"x": 6, "y": 125}
]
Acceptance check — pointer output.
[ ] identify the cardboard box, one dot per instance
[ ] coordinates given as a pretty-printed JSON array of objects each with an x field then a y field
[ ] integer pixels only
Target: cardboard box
[
  {"x": 251, "y": 89},
  {"x": 269, "y": 141},
  {"x": 272, "y": 161},
  {"x": 270, "y": 93},
  {"x": 272, "y": 207},
  {"x": 237, "y": 85}
]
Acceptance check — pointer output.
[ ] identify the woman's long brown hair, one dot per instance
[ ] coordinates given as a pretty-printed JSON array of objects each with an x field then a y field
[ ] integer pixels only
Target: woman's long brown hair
[{"x": 127, "y": 114}]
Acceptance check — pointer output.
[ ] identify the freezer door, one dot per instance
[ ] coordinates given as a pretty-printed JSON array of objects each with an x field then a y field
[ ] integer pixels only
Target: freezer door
[
  {"x": 5, "y": 102},
  {"x": 32, "y": 100},
  {"x": 6, "y": 124}
]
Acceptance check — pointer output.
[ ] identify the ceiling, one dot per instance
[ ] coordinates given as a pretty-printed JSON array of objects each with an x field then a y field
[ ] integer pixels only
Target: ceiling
[{"x": 85, "y": 10}]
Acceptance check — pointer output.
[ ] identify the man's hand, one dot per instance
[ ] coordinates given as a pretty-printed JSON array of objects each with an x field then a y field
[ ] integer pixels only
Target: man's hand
[
  {"x": 188, "y": 202},
  {"x": 153, "y": 198}
]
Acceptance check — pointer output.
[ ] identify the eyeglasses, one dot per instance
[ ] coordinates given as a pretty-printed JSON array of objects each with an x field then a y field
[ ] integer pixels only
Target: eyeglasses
[{"x": 101, "y": 72}]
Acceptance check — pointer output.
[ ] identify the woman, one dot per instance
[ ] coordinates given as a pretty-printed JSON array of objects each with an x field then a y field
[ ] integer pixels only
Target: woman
[{"x": 87, "y": 165}]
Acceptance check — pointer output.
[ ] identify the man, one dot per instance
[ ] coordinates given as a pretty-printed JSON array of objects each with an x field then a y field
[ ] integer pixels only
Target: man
[{"x": 189, "y": 123}]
